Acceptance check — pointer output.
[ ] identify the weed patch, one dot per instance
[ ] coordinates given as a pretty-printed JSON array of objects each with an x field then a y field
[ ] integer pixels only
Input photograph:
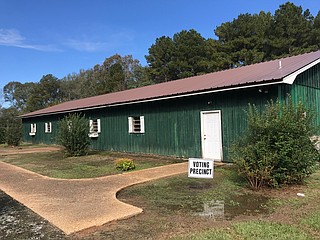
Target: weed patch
[
  {"x": 312, "y": 221},
  {"x": 266, "y": 231}
]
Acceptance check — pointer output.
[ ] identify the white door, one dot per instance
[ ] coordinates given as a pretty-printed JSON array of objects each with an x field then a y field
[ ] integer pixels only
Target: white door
[{"x": 211, "y": 135}]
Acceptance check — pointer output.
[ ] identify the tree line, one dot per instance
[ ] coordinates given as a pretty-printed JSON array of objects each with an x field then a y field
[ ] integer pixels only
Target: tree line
[{"x": 247, "y": 39}]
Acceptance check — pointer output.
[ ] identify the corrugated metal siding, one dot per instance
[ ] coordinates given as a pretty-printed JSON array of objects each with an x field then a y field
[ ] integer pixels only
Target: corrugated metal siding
[
  {"x": 234, "y": 106},
  {"x": 172, "y": 127},
  {"x": 169, "y": 129},
  {"x": 40, "y": 136},
  {"x": 306, "y": 88},
  {"x": 309, "y": 78}
]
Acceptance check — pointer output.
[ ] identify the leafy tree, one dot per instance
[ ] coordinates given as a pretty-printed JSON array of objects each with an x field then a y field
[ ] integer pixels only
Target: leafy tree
[
  {"x": 190, "y": 58},
  {"x": 291, "y": 30},
  {"x": 218, "y": 57},
  {"x": 13, "y": 132},
  {"x": 114, "y": 77},
  {"x": 44, "y": 94},
  {"x": 116, "y": 73},
  {"x": 133, "y": 71},
  {"x": 315, "y": 33},
  {"x": 69, "y": 87},
  {"x": 261, "y": 37},
  {"x": 2, "y": 126},
  {"x": 186, "y": 54},
  {"x": 277, "y": 149},
  {"x": 160, "y": 60},
  {"x": 73, "y": 134},
  {"x": 10, "y": 126},
  {"x": 245, "y": 39},
  {"x": 17, "y": 94},
  {"x": 142, "y": 77},
  {"x": 117, "y": 77},
  {"x": 50, "y": 89},
  {"x": 9, "y": 92}
]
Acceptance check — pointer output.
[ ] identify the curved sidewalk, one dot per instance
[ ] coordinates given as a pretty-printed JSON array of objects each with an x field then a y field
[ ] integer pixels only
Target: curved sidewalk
[{"x": 74, "y": 205}]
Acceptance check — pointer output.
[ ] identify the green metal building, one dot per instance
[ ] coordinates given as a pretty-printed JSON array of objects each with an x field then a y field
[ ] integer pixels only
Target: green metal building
[{"x": 194, "y": 117}]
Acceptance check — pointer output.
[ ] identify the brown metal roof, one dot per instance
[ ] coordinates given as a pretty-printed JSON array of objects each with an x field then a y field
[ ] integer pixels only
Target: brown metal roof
[{"x": 261, "y": 73}]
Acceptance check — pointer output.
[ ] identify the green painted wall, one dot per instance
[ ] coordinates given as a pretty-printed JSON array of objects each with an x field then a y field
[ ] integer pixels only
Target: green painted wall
[
  {"x": 41, "y": 136},
  {"x": 307, "y": 89},
  {"x": 172, "y": 127}
]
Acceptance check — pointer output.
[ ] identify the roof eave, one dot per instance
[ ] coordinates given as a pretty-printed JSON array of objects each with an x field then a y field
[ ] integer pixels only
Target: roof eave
[
  {"x": 229, "y": 88},
  {"x": 292, "y": 77}
]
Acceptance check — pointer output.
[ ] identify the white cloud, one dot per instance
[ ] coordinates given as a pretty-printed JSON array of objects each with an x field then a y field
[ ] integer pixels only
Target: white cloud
[
  {"x": 10, "y": 37},
  {"x": 13, "y": 38},
  {"x": 104, "y": 43},
  {"x": 112, "y": 41},
  {"x": 86, "y": 46}
]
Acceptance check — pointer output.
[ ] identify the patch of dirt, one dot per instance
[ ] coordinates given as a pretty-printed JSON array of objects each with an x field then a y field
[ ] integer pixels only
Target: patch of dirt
[
  {"x": 19, "y": 222},
  {"x": 296, "y": 206}
]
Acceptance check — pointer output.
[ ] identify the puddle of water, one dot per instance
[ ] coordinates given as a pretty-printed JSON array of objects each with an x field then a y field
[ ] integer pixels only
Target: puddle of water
[
  {"x": 248, "y": 204},
  {"x": 213, "y": 209}
]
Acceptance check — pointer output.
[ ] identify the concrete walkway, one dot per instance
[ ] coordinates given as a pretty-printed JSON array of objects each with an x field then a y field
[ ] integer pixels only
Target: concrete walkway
[{"x": 74, "y": 205}]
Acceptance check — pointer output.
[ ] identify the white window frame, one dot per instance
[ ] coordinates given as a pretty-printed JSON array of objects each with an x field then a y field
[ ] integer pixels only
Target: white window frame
[
  {"x": 48, "y": 127},
  {"x": 136, "y": 124},
  {"x": 94, "y": 127},
  {"x": 33, "y": 129}
]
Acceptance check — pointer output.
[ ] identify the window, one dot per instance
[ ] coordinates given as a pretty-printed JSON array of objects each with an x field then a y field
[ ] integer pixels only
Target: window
[
  {"x": 94, "y": 127},
  {"x": 33, "y": 129},
  {"x": 136, "y": 124},
  {"x": 47, "y": 127}
]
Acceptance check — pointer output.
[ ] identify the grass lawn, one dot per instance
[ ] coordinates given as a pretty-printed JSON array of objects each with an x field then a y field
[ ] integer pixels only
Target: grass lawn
[
  {"x": 186, "y": 208},
  {"x": 56, "y": 165},
  {"x": 174, "y": 207}
]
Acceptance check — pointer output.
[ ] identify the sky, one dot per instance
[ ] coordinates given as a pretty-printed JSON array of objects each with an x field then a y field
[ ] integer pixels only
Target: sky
[{"x": 60, "y": 37}]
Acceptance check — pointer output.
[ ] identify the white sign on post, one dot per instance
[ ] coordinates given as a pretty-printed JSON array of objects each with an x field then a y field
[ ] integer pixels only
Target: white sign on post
[{"x": 200, "y": 168}]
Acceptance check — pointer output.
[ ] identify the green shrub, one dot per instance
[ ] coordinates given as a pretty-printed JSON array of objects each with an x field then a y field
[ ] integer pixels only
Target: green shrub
[
  {"x": 276, "y": 148},
  {"x": 125, "y": 164},
  {"x": 73, "y": 134},
  {"x": 12, "y": 133},
  {"x": 10, "y": 126},
  {"x": 2, "y": 134}
]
